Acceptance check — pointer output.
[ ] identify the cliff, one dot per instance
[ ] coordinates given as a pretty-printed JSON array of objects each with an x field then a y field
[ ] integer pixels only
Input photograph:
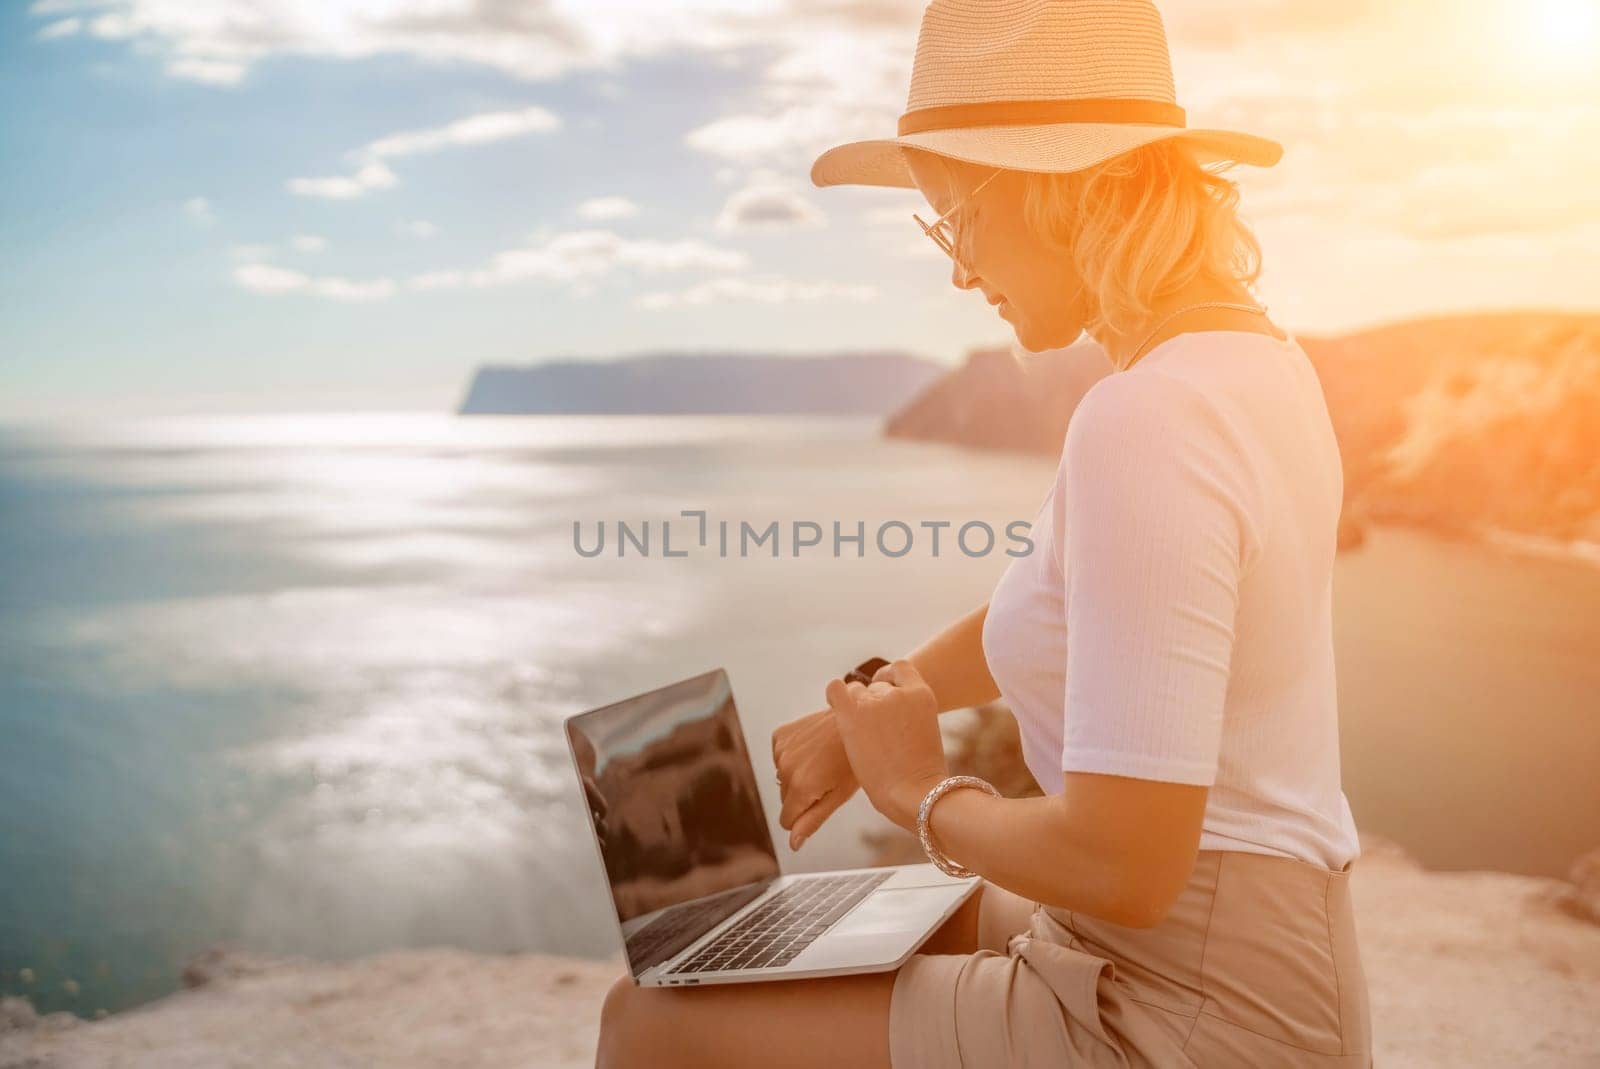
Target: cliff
[
  {"x": 997, "y": 401},
  {"x": 415, "y": 1008},
  {"x": 867, "y": 383},
  {"x": 1458, "y": 423},
  {"x": 1465, "y": 970}
]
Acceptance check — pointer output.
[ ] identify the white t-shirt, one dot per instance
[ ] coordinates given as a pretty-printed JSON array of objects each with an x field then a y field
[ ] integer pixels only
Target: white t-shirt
[{"x": 1174, "y": 619}]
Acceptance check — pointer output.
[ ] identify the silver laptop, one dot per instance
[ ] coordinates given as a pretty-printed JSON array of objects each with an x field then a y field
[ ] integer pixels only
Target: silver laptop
[{"x": 686, "y": 848}]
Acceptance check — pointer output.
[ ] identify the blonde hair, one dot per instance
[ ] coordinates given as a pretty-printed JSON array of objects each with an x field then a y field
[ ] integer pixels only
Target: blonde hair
[{"x": 1141, "y": 225}]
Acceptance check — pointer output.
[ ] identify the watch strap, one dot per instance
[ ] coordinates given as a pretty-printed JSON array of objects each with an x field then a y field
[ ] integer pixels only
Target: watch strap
[{"x": 863, "y": 672}]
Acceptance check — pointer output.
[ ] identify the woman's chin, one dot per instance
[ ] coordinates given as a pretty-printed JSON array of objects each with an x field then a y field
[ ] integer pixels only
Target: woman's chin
[
  {"x": 1035, "y": 342},
  {"x": 1039, "y": 341}
]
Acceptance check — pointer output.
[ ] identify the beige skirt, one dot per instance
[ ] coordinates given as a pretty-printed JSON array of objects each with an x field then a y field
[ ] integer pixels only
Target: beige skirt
[{"x": 1256, "y": 965}]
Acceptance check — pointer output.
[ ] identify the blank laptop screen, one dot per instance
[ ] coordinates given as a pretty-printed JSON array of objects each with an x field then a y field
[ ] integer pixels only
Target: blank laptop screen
[{"x": 682, "y": 833}]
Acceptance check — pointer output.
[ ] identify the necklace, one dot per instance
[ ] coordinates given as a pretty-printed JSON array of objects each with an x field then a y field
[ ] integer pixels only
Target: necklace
[{"x": 1203, "y": 304}]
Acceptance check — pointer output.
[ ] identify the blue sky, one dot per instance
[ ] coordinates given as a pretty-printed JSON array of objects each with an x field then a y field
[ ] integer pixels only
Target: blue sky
[{"x": 562, "y": 179}]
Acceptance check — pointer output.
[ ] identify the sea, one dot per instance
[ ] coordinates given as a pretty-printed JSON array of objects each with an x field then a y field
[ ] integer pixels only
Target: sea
[{"x": 294, "y": 683}]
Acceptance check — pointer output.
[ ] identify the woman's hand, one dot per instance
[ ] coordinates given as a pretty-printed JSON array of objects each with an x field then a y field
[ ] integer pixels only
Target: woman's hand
[
  {"x": 890, "y": 732},
  {"x": 814, "y": 776}
]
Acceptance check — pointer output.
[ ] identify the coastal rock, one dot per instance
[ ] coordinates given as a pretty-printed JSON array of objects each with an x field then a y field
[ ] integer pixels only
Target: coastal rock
[
  {"x": 1465, "y": 969},
  {"x": 17, "y": 1014},
  {"x": 1352, "y": 530},
  {"x": 1460, "y": 424},
  {"x": 1391, "y": 852},
  {"x": 408, "y": 1010},
  {"x": 219, "y": 963},
  {"x": 870, "y": 383},
  {"x": 1000, "y": 400},
  {"x": 1582, "y": 899}
]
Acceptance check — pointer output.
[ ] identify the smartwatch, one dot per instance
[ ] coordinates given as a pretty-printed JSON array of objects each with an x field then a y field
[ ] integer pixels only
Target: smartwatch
[{"x": 863, "y": 672}]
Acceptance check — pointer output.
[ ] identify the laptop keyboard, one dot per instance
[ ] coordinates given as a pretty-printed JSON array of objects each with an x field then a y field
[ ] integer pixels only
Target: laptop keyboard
[
  {"x": 676, "y": 929},
  {"x": 770, "y": 936}
]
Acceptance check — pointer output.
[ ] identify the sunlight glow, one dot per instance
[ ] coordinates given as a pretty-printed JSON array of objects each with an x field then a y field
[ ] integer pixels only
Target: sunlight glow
[{"x": 1566, "y": 30}]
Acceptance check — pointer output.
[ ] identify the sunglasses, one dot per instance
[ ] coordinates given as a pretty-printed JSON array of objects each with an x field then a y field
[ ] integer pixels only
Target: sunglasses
[{"x": 942, "y": 231}]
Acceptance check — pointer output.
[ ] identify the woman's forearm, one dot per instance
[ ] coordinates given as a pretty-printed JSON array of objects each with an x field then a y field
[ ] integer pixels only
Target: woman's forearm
[
  {"x": 1115, "y": 848},
  {"x": 953, "y": 665},
  {"x": 1027, "y": 846}
]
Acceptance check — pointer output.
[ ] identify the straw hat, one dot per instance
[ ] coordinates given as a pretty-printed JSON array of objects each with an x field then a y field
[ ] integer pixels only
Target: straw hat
[{"x": 1036, "y": 85}]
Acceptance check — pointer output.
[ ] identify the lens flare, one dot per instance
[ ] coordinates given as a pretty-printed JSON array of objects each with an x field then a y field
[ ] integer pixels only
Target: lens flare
[{"x": 1566, "y": 30}]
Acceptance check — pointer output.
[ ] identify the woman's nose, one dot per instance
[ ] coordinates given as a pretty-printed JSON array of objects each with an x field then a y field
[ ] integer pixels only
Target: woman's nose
[{"x": 960, "y": 277}]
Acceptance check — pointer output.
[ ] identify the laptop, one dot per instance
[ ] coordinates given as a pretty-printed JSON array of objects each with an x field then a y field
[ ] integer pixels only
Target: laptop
[{"x": 687, "y": 852}]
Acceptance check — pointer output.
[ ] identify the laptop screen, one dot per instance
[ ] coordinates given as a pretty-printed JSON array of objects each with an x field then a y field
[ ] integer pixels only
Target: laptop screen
[{"x": 676, "y": 813}]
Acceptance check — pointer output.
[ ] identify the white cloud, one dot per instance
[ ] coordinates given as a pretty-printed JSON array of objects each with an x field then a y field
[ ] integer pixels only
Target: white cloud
[
  {"x": 264, "y": 278},
  {"x": 199, "y": 210},
  {"x": 373, "y": 173},
  {"x": 768, "y": 204},
  {"x": 602, "y": 208},
  {"x": 1459, "y": 179},
  {"x": 1339, "y": 84},
  {"x": 776, "y": 291},
  {"x": 115, "y": 26},
  {"x": 343, "y": 289},
  {"x": 210, "y": 71},
  {"x": 579, "y": 254},
  {"x": 892, "y": 207},
  {"x": 417, "y": 228},
  {"x": 838, "y": 69},
  {"x": 789, "y": 133},
  {"x": 888, "y": 226},
  {"x": 275, "y": 281},
  {"x": 840, "y": 74},
  {"x": 534, "y": 39},
  {"x": 439, "y": 280},
  {"x": 473, "y": 130},
  {"x": 308, "y": 243},
  {"x": 345, "y": 187},
  {"x": 922, "y": 249},
  {"x": 60, "y": 28}
]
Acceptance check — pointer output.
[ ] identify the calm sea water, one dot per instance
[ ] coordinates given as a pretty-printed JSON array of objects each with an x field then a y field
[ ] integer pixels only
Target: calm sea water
[{"x": 295, "y": 683}]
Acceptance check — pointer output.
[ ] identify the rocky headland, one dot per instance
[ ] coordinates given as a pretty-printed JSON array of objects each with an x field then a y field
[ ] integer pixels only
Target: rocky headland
[
  {"x": 1467, "y": 425},
  {"x": 673, "y": 383}
]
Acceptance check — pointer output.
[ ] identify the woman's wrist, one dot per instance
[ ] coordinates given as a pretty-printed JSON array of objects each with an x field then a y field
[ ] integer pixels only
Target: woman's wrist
[
  {"x": 930, "y": 843},
  {"x": 907, "y": 800}
]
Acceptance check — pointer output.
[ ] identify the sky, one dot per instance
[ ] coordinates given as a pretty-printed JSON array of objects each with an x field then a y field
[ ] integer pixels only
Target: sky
[{"x": 283, "y": 205}]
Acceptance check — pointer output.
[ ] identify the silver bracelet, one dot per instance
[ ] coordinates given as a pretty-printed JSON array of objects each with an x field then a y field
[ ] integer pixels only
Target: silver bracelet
[{"x": 935, "y": 855}]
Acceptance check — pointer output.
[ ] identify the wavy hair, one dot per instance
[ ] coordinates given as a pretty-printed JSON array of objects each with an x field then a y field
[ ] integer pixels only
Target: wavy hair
[{"x": 1141, "y": 225}]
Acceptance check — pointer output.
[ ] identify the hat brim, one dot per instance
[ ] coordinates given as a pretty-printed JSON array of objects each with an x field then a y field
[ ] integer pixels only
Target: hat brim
[{"x": 1056, "y": 147}]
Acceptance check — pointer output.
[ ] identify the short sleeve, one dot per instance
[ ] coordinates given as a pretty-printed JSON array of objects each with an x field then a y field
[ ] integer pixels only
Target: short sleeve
[{"x": 1158, "y": 538}]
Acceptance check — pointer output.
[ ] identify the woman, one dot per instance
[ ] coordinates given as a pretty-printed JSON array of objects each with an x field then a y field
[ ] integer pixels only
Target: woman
[{"x": 1180, "y": 894}]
